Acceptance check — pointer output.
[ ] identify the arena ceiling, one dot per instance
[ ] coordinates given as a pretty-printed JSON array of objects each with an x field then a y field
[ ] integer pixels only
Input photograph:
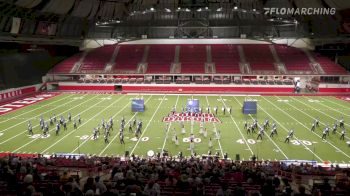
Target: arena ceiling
[{"x": 177, "y": 18}]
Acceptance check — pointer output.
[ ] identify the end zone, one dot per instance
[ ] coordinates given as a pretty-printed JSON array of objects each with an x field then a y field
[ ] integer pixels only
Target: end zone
[{"x": 21, "y": 103}]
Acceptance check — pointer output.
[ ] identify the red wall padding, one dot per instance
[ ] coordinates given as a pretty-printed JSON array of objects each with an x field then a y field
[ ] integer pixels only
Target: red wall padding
[
  {"x": 14, "y": 94},
  {"x": 334, "y": 90},
  {"x": 28, "y": 90},
  {"x": 180, "y": 89},
  {"x": 202, "y": 88},
  {"x": 86, "y": 88}
]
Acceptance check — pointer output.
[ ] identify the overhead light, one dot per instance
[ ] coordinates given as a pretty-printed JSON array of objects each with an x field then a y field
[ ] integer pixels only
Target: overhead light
[
  {"x": 254, "y": 10},
  {"x": 187, "y": 10},
  {"x": 219, "y": 9},
  {"x": 152, "y": 9},
  {"x": 199, "y": 9},
  {"x": 167, "y": 10},
  {"x": 179, "y": 8},
  {"x": 118, "y": 21},
  {"x": 206, "y": 8},
  {"x": 244, "y": 11},
  {"x": 235, "y": 8}
]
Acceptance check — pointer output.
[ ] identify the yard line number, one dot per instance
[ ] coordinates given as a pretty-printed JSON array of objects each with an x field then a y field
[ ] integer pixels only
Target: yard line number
[{"x": 294, "y": 142}]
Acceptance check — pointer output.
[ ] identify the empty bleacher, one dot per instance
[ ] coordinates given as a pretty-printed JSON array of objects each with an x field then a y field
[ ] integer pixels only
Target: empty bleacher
[
  {"x": 97, "y": 59},
  {"x": 328, "y": 66},
  {"x": 295, "y": 60},
  {"x": 129, "y": 56},
  {"x": 66, "y": 65},
  {"x": 259, "y": 57},
  {"x": 160, "y": 58},
  {"x": 193, "y": 58},
  {"x": 226, "y": 58}
]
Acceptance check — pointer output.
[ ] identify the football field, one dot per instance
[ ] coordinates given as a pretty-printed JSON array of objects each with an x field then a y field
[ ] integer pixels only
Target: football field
[{"x": 287, "y": 112}]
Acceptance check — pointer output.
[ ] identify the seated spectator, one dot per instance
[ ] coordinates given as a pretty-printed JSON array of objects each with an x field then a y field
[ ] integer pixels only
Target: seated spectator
[
  {"x": 152, "y": 189},
  {"x": 64, "y": 177},
  {"x": 89, "y": 185},
  {"x": 28, "y": 179},
  {"x": 100, "y": 187},
  {"x": 224, "y": 190},
  {"x": 170, "y": 181},
  {"x": 267, "y": 189},
  {"x": 301, "y": 190},
  {"x": 239, "y": 190}
]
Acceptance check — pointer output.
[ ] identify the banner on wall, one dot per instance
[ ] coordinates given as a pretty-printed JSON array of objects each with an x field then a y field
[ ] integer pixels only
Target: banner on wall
[
  {"x": 16, "y": 24},
  {"x": 16, "y": 93},
  {"x": 11, "y": 94}
]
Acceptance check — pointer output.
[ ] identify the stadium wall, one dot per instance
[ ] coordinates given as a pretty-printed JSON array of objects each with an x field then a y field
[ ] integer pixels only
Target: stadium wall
[
  {"x": 334, "y": 88},
  {"x": 15, "y": 93},
  {"x": 166, "y": 88}
]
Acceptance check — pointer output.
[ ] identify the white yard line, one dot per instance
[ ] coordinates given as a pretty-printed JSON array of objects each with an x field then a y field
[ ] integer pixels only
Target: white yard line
[
  {"x": 245, "y": 141},
  {"x": 167, "y": 131},
  {"x": 149, "y": 122},
  {"x": 320, "y": 136},
  {"x": 49, "y": 130},
  {"x": 339, "y": 104},
  {"x": 33, "y": 118},
  {"x": 85, "y": 122},
  {"x": 334, "y": 109},
  {"x": 120, "y": 110},
  {"x": 115, "y": 137},
  {"x": 317, "y": 111},
  {"x": 274, "y": 143},
  {"x": 26, "y": 131},
  {"x": 36, "y": 108},
  {"x": 222, "y": 153},
  {"x": 308, "y": 128},
  {"x": 294, "y": 134}
]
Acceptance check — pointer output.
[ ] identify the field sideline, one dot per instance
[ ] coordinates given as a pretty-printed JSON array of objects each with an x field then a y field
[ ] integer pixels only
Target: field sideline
[{"x": 288, "y": 112}]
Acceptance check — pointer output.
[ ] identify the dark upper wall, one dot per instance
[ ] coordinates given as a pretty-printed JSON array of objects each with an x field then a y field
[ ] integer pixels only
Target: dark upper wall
[{"x": 22, "y": 65}]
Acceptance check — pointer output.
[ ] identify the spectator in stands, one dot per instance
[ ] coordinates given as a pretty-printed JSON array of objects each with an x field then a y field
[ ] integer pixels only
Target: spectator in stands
[
  {"x": 64, "y": 177},
  {"x": 267, "y": 189},
  {"x": 28, "y": 179},
  {"x": 325, "y": 188},
  {"x": 132, "y": 189},
  {"x": 276, "y": 182},
  {"x": 152, "y": 189},
  {"x": 287, "y": 189},
  {"x": 71, "y": 182},
  {"x": 224, "y": 190},
  {"x": 118, "y": 174},
  {"x": 100, "y": 187},
  {"x": 239, "y": 190},
  {"x": 89, "y": 193},
  {"x": 89, "y": 185},
  {"x": 170, "y": 181},
  {"x": 301, "y": 190},
  {"x": 190, "y": 175}
]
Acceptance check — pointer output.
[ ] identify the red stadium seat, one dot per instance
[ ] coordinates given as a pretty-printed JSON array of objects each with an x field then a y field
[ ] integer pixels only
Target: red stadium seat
[{"x": 193, "y": 58}]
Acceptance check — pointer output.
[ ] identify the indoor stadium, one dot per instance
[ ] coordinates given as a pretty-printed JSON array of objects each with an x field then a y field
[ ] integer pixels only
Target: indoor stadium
[{"x": 174, "y": 97}]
